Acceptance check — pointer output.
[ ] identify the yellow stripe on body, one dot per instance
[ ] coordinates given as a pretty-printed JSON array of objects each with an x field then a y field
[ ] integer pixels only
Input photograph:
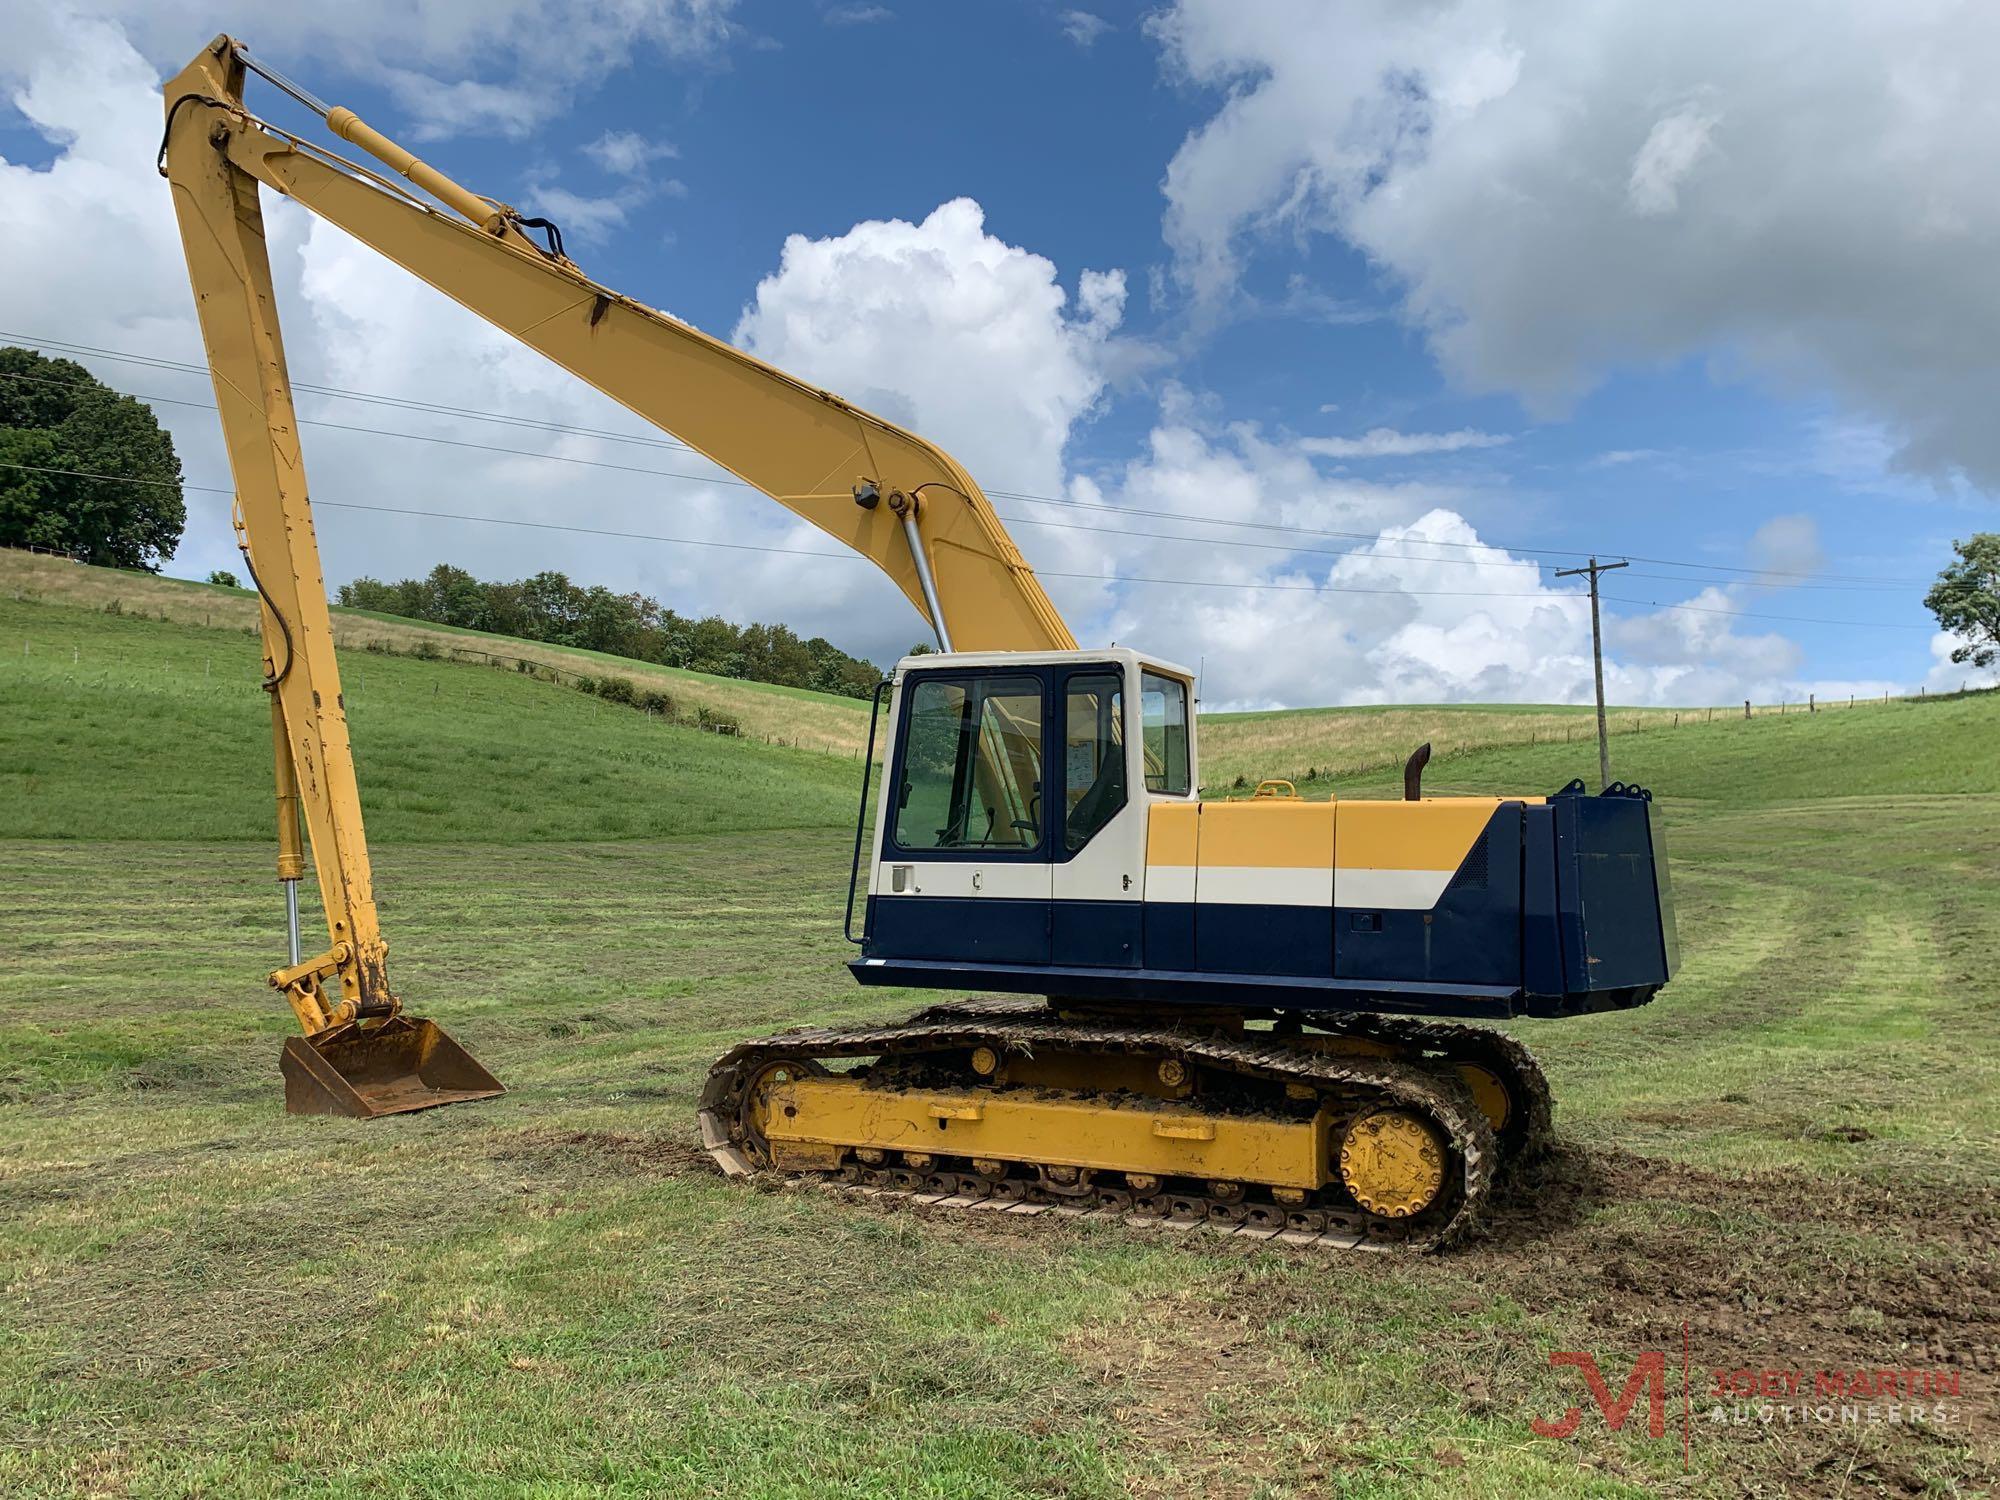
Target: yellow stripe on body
[
  {"x": 1267, "y": 852},
  {"x": 1411, "y": 835},
  {"x": 1173, "y": 840},
  {"x": 1284, "y": 852},
  {"x": 1172, "y": 833},
  {"x": 1400, "y": 856}
]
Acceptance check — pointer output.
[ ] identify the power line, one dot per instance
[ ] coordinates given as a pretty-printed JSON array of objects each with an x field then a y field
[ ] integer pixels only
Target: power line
[
  {"x": 1372, "y": 550},
  {"x": 1121, "y": 510},
  {"x": 662, "y": 440},
  {"x": 1202, "y": 583}
]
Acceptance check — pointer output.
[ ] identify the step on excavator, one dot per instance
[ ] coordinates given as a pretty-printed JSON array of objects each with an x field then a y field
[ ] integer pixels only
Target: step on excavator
[{"x": 1251, "y": 1014}]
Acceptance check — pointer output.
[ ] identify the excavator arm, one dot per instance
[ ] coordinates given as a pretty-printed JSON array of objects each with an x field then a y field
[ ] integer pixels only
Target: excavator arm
[{"x": 884, "y": 492}]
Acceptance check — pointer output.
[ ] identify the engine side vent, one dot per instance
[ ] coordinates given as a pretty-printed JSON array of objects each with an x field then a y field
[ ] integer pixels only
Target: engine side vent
[{"x": 1471, "y": 875}]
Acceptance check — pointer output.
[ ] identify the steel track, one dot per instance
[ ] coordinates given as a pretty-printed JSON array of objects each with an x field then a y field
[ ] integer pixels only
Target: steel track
[{"x": 1020, "y": 1028}]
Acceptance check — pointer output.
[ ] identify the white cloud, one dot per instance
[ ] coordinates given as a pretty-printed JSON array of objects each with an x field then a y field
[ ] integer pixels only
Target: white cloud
[
  {"x": 581, "y": 217},
  {"x": 626, "y": 153},
  {"x": 1558, "y": 192},
  {"x": 1423, "y": 610},
  {"x": 99, "y": 242},
  {"x": 1386, "y": 442},
  {"x": 946, "y": 329},
  {"x": 1948, "y": 676},
  {"x": 482, "y": 66},
  {"x": 1083, "y": 28},
  {"x": 857, "y": 15}
]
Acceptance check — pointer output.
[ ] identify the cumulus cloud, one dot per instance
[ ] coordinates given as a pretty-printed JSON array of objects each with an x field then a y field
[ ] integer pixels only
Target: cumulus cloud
[
  {"x": 1557, "y": 192},
  {"x": 1418, "y": 607},
  {"x": 946, "y": 329},
  {"x": 1386, "y": 442},
  {"x": 485, "y": 66}
]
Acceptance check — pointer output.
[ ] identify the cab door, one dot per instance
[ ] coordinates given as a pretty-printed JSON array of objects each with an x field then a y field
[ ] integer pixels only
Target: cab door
[
  {"x": 1099, "y": 833},
  {"x": 965, "y": 871}
]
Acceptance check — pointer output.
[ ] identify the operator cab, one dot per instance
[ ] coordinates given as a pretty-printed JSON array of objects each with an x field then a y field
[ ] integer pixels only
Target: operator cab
[{"x": 1012, "y": 823}]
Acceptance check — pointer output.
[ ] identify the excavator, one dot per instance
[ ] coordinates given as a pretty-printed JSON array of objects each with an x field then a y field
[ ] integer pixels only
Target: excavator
[{"x": 1252, "y": 1013}]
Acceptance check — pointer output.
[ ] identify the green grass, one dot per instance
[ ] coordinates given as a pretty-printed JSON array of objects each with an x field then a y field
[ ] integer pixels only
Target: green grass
[
  {"x": 766, "y": 712},
  {"x": 551, "y": 1295},
  {"x": 121, "y": 727},
  {"x": 1937, "y": 746}
]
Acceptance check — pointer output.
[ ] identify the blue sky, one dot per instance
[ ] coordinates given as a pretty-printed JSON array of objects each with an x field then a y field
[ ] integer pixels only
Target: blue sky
[{"x": 1458, "y": 286}]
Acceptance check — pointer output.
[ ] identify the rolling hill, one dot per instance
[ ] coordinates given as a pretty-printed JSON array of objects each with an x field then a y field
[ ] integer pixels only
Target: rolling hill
[{"x": 1355, "y": 751}]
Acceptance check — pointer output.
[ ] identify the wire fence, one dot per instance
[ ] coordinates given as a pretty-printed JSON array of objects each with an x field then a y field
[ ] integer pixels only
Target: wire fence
[{"x": 1619, "y": 723}]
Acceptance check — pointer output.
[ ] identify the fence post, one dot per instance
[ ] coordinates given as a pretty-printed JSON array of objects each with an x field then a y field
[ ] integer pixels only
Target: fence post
[
  {"x": 1812, "y": 703},
  {"x": 1746, "y": 708}
]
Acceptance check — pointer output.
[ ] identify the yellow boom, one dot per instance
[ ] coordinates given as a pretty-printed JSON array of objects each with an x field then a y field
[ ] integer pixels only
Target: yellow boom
[{"x": 883, "y": 491}]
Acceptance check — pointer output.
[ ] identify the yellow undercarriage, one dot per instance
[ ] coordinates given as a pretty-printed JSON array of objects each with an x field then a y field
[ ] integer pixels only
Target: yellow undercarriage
[
  {"x": 1393, "y": 1163},
  {"x": 807, "y": 1115}
]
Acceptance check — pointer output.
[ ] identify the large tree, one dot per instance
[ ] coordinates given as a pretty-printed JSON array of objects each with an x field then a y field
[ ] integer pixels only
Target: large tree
[
  {"x": 59, "y": 426},
  {"x": 1966, "y": 599}
]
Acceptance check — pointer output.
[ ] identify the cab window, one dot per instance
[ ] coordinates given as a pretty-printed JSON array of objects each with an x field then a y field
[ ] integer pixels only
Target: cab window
[
  {"x": 1093, "y": 754},
  {"x": 972, "y": 766},
  {"x": 1164, "y": 713}
]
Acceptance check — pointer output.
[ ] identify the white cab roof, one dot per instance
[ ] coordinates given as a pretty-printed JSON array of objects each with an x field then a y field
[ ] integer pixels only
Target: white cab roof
[{"x": 1123, "y": 656}]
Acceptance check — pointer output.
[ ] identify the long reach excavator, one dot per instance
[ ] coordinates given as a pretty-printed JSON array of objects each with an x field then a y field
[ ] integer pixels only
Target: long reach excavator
[{"x": 1248, "y": 1013}]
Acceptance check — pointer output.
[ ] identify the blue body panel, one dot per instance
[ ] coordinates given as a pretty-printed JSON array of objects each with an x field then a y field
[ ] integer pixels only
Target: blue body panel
[
  {"x": 1608, "y": 910},
  {"x": 1473, "y": 934},
  {"x": 1294, "y": 940},
  {"x": 987, "y": 930},
  {"x": 1558, "y": 909},
  {"x": 1102, "y": 933}
]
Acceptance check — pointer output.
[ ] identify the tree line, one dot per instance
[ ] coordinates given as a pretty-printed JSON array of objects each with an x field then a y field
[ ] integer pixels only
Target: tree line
[{"x": 550, "y": 608}]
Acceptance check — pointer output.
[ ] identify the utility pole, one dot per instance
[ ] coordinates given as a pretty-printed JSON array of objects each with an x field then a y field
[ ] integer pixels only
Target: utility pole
[{"x": 1597, "y": 659}]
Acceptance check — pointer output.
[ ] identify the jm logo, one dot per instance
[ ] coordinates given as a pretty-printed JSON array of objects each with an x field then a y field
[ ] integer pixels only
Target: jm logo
[{"x": 1649, "y": 1374}]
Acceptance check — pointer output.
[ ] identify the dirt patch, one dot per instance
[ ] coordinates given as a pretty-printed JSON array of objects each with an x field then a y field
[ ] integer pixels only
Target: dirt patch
[{"x": 1192, "y": 1379}]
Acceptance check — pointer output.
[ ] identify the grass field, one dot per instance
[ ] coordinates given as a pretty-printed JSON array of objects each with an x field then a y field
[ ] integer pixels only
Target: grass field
[
  {"x": 765, "y": 710},
  {"x": 1790, "y": 1154}
]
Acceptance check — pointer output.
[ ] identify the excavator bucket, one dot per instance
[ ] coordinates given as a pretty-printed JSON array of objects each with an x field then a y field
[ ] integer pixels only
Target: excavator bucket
[{"x": 400, "y": 1065}]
